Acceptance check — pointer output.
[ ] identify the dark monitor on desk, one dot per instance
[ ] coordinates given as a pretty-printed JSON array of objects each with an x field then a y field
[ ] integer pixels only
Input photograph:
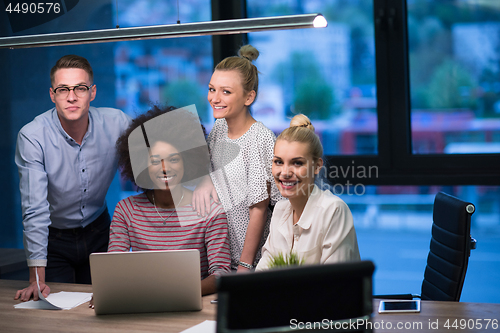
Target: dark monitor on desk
[{"x": 322, "y": 297}]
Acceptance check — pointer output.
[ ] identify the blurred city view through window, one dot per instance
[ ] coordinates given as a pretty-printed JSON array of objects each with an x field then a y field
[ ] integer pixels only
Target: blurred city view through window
[
  {"x": 174, "y": 71},
  {"x": 329, "y": 74},
  {"x": 455, "y": 76}
]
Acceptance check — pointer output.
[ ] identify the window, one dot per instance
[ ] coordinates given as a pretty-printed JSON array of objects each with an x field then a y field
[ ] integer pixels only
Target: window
[
  {"x": 454, "y": 51},
  {"x": 174, "y": 71},
  {"x": 327, "y": 74},
  {"x": 393, "y": 226}
]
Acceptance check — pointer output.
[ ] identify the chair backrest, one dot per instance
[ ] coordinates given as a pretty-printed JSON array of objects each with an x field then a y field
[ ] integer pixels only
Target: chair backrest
[
  {"x": 286, "y": 299},
  {"x": 449, "y": 249}
]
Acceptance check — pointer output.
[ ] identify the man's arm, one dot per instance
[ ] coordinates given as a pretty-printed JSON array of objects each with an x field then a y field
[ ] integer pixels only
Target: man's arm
[
  {"x": 35, "y": 210},
  {"x": 208, "y": 285}
]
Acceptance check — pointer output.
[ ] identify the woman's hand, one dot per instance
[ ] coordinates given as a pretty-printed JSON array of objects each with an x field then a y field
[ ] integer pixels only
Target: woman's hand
[
  {"x": 255, "y": 230},
  {"x": 201, "y": 196}
]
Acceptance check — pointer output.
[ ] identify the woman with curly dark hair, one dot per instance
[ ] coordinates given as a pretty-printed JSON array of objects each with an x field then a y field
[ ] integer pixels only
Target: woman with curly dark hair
[{"x": 162, "y": 152}]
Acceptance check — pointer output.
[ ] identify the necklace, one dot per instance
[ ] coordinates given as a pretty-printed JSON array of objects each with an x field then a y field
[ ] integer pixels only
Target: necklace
[{"x": 154, "y": 204}]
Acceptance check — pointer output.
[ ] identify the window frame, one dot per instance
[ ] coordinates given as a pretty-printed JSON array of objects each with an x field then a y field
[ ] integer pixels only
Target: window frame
[
  {"x": 398, "y": 163},
  {"x": 395, "y": 162}
]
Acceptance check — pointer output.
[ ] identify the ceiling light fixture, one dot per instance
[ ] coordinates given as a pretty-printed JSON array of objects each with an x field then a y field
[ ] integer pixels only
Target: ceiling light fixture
[{"x": 222, "y": 27}]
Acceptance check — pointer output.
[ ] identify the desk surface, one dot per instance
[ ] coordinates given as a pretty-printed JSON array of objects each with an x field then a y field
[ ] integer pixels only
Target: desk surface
[
  {"x": 441, "y": 317},
  {"x": 83, "y": 319}
]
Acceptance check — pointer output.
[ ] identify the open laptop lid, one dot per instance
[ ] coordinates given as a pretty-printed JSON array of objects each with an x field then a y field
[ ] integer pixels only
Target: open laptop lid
[{"x": 146, "y": 281}]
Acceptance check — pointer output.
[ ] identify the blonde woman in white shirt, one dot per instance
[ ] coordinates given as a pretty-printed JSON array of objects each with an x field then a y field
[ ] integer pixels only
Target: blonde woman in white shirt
[{"x": 313, "y": 224}]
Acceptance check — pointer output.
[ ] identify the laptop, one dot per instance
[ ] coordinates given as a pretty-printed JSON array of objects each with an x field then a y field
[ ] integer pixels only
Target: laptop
[{"x": 146, "y": 281}]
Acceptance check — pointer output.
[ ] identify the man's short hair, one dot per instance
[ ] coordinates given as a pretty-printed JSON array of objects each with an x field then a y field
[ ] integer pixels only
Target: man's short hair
[{"x": 72, "y": 61}]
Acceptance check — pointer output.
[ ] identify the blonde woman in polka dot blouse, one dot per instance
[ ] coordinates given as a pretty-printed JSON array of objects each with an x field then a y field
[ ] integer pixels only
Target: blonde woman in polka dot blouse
[{"x": 241, "y": 151}]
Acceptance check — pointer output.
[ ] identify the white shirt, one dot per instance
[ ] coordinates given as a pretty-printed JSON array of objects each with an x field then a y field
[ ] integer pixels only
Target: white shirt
[{"x": 324, "y": 233}]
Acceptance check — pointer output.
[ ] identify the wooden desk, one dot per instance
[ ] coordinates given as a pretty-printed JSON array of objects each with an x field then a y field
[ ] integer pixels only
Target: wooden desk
[
  {"x": 83, "y": 319},
  {"x": 435, "y": 314}
]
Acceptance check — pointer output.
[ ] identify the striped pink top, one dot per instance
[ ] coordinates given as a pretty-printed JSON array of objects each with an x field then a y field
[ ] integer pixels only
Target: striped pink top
[{"x": 137, "y": 226}]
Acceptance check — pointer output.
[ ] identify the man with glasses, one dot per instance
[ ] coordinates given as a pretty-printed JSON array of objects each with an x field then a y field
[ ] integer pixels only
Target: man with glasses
[{"x": 66, "y": 159}]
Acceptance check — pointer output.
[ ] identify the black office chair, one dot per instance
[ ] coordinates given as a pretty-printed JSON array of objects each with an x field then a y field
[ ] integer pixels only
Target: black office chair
[
  {"x": 286, "y": 299},
  {"x": 449, "y": 253}
]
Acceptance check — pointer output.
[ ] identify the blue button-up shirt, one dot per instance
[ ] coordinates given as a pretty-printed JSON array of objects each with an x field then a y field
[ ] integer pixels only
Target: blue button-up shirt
[{"x": 63, "y": 184}]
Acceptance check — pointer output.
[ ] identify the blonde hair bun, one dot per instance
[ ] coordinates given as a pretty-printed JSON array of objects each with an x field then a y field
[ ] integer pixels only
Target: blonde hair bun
[
  {"x": 301, "y": 120},
  {"x": 244, "y": 66},
  {"x": 301, "y": 130},
  {"x": 249, "y": 52}
]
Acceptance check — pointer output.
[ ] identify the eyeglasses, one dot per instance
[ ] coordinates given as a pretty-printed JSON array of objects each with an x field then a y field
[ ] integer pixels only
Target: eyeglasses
[{"x": 80, "y": 90}]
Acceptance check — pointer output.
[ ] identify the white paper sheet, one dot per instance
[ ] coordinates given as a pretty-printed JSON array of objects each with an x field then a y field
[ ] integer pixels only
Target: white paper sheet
[
  {"x": 208, "y": 326},
  {"x": 59, "y": 301}
]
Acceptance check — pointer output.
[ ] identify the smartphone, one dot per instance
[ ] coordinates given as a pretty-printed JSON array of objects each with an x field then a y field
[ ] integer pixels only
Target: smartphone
[{"x": 394, "y": 306}]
